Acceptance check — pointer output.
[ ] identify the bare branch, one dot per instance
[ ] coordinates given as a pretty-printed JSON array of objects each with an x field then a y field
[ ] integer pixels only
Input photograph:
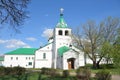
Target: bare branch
[
  {"x": 13, "y": 12},
  {"x": 95, "y": 36}
]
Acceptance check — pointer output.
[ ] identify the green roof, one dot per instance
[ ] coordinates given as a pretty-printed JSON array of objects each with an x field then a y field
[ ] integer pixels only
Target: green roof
[
  {"x": 1, "y": 58},
  {"x": 61, "y": 23},
  {"x": 22, "y": 51},
  {"x": 62, "y": 50}
]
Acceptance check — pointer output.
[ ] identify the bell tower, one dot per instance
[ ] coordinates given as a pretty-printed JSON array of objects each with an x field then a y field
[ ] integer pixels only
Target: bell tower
[{"x": 62, "y": 37}]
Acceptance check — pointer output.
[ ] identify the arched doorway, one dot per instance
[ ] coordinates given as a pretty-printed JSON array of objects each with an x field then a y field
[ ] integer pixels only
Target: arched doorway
[{"x": 71, "y": 62}]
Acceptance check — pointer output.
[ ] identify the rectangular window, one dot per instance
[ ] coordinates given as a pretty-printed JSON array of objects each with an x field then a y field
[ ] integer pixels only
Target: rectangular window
[
  {"x": 44, "y": 55},
  {"x": 11, "y": 58},
  {"x": 30, "y": 63},
  {"x": 16, "y": 58}
]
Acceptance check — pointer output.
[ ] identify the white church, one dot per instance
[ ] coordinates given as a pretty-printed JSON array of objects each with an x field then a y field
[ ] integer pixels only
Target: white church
[{"x": 57, "y": 53}]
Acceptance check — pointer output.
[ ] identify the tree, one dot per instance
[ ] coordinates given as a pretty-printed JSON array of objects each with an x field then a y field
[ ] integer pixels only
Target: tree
[
  {"x": 116, "y": 56},
  {"x": 93, "y": 38},
  {"x": 116, "y": 52},
  {"x": 13, "y": 12},
  {"x": 107, "y": 51}
]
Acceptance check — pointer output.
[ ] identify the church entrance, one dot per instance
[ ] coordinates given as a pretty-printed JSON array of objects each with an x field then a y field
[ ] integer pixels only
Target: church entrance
[{"x": 71, "y": 62}]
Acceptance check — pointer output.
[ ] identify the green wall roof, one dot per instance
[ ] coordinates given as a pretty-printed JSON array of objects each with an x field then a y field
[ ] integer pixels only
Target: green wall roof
[
  {"x": 62, "y": 50},
  {"x": 22, "y": 51}
]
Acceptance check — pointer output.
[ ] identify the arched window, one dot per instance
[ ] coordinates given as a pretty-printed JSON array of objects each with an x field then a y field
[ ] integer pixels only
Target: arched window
[
  {"x": 44, "y": 55},
  {"x": 60, "y": 32},
  {"x": 66, "y": 32}
]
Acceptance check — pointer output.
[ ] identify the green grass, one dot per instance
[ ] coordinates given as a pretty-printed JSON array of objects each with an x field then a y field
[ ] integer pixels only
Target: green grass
[
  {"x": 36, "y": 76},
  {"x": 109, "y": 67},
  {"x": 7, "y": 78},
  {"x": 112, "y": 71},
  {"x": 30, "y": 75}
]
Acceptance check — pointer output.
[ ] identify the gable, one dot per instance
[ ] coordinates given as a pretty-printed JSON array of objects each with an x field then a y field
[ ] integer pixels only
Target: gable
[
  {"x": 22, "y": 51},
  {"x": 46, "y": 47},
  {"x": 62, "y": 50}
]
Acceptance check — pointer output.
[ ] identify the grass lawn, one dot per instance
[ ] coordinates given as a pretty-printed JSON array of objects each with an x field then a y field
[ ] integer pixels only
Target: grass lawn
[
  {"x": 108, "y": 67},
  {"x": 36, "y": 76}
]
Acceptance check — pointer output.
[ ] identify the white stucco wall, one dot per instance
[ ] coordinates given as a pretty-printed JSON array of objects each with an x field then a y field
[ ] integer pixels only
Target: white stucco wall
[
  {"x": 68, "y": 55},
  {"x": 103, "y": 61},
  {"x": 81, "y": 59},
  {"x": 41, "y": 62},
  {"x": 60, "y": 62},
  {"x": 59, "y": 41},
  {"x": 23, "y": 60}
]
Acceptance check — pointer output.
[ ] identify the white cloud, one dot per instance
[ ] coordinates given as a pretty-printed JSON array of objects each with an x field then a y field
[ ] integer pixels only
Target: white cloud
[
  {"x": 31, "y": 39},
  {"x": 27, "y": 46},
  {"x": 10, "y": 46},
  {"x": 14, "y": 43},
  {"x": 47, "y": 33},
  {"x": 2, "y": 41}
]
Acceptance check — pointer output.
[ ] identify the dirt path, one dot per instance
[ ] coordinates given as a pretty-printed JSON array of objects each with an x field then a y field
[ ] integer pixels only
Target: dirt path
[{"x": 115, "y": 77}]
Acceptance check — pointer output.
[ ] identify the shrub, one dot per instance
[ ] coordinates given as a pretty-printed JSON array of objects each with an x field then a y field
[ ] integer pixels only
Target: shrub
[
  {"x": 45, "y": 71},
  {"x": 66, "y": 73},
  {"x": 83, "y": 73},
  {"x": 49, "y": 71},
  {"x": 107, "y": 66},
  {"x": 18, "y": 70},
  {"x": 12, "y": 71},
  {"x": 2, "y": 71},
  {"x": 103, "y": 75},
  {"x": 88, "y": 65},
  {"x": 53, "y": 72},
  {"x": 8, "y": 71}
]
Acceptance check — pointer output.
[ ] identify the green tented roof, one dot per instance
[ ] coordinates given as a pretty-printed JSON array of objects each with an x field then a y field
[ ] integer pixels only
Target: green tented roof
[
  {"x": 61, "y": 23},
  {"x": 22, "y": 51},
  {"x": 1, "y": 58},
  {"x": 62, "y": 50}
]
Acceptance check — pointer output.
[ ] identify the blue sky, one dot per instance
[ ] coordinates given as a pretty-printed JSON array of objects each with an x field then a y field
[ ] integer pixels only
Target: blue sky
[{"x": 44, "y": 15}]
